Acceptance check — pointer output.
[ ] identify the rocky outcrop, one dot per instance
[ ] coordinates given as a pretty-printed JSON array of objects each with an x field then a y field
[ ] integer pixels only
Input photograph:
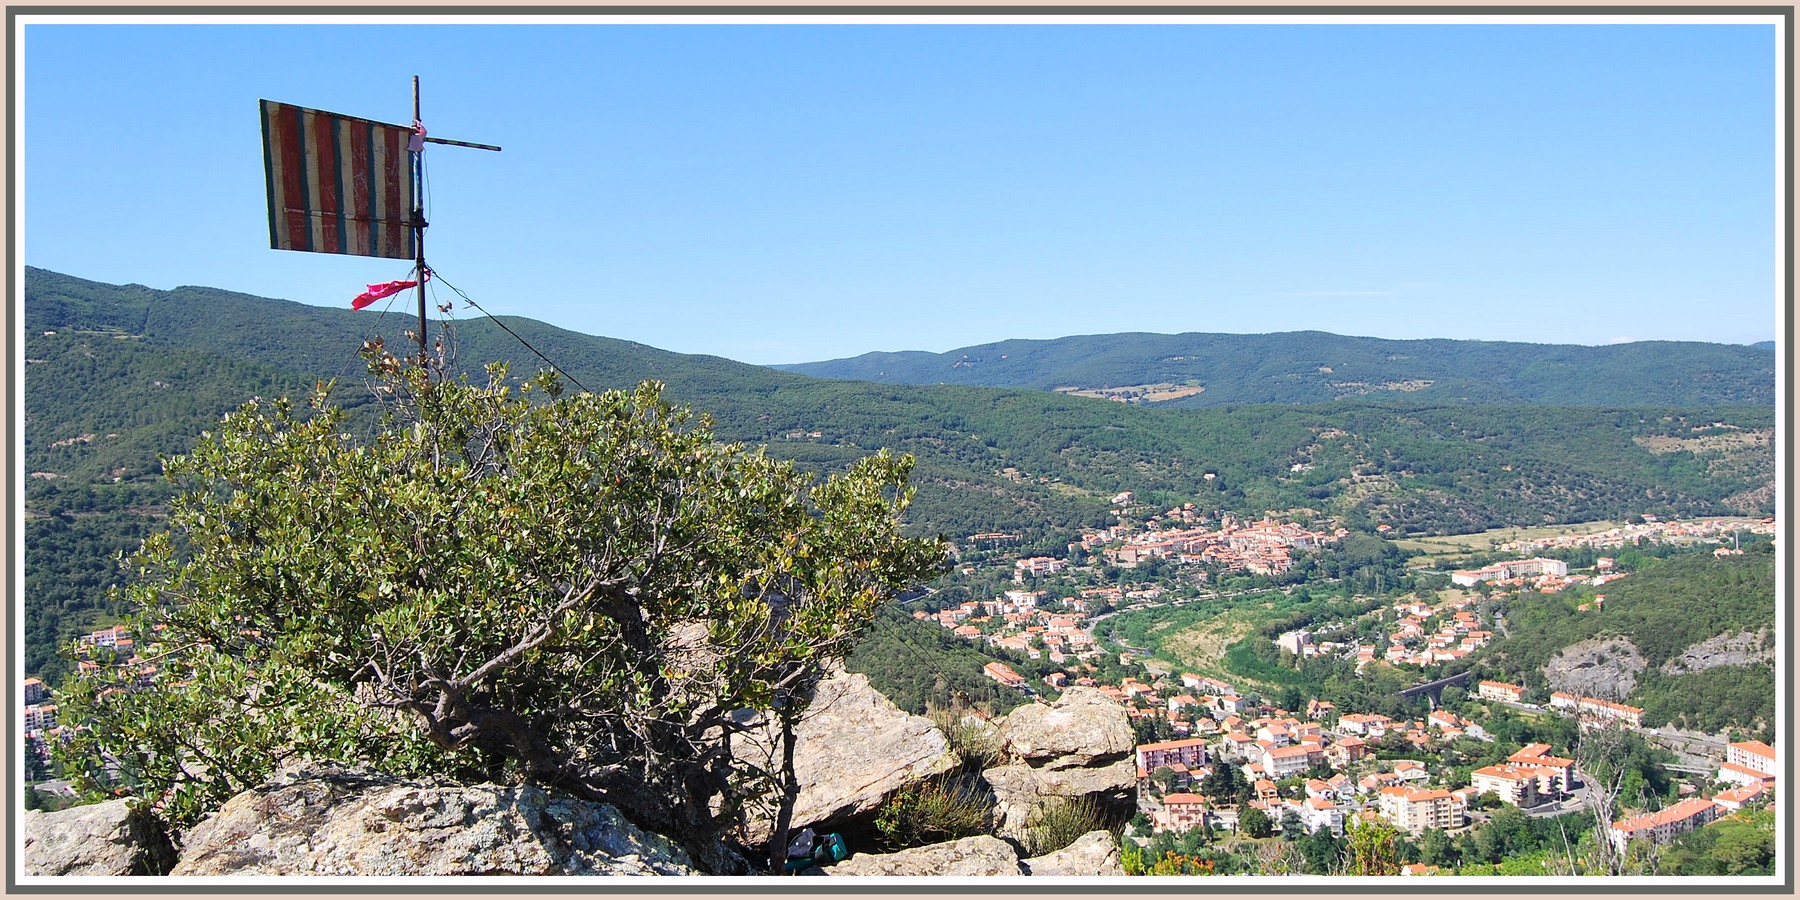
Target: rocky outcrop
[
  {"x": 330, "y": 821},
  {"x": 1601, "y": 667},
  {"x": 1078, "y": 748},
  {"x": 979, "y": 855},
  {"x": 1083, "y": 728},
  {"x": 1094, "y": 853},
  {"x": 852, "y": 749},
  {"x": 1746, "y": 648},
  {"x": 102, "y": 839}
]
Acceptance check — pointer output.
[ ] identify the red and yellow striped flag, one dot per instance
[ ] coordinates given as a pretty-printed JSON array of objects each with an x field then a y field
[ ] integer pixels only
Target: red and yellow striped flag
[{"x": 337, "y": 184}]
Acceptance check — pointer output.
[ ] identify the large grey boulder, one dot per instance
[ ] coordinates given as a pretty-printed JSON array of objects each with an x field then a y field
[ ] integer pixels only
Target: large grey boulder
[
  {"x": 325, "y": 820},
  {"x": 1082, "y": 728},
  {"x": 101, "y": 839},
  {"x": 852, "y": 749},
  {"x": 1093, "y": 854},
  {"x": 979, "y": 855}
]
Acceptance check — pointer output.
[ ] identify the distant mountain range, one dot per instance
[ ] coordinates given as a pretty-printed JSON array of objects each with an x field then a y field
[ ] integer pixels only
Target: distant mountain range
[
  {"x": 143, "y": 371},
  {"x": 1198, "y": 370},
  {"x": 117, "y": 376}
]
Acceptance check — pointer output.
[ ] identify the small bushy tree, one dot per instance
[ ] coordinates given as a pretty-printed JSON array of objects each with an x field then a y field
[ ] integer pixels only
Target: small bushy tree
[
  {"x": 587, "y": 591},
  {"x": 1373, "y": 847},
  {"x": 1255, "y": 823}
]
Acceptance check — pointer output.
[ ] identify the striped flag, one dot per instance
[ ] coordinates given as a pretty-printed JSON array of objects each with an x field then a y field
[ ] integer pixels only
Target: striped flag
[{"x": 337, "y": 184}]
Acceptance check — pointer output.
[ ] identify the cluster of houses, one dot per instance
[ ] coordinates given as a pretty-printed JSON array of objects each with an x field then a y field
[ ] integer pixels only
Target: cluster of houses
[
  {"x": 1423, "y": 634},
  {"x": 1258, "y": 547},
  {"x": 111, "y": 649},
  {"x": 1020, "y": 621},
  {"x": 1330, "y": 751},
  {"x": 1413, "y": 641},
  {"x": 1276, "y": 750},
  {"x": 1517, "y": 569},
  {"x": 1279, "y": 748},
  {"x": 1221, "y": 726},
  {"x": 1653, "y": 530}
]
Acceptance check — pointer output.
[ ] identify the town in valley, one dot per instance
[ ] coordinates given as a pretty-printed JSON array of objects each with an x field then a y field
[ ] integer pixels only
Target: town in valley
[{"x": 1223, "y": 755}]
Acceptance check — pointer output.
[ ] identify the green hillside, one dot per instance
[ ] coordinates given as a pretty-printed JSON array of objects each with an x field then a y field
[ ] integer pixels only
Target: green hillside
[
  {"x": 128, "y": 374},
  {"x": 1666, "y": 610},
  {"x": 1315, "y": 367}
]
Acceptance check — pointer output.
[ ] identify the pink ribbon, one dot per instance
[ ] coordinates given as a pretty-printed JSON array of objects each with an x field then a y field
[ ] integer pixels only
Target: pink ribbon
[{"x": 378, "y": 291}]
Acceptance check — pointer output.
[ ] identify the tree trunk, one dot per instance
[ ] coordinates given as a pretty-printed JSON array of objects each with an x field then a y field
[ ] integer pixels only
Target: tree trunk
[{"x": 790, "y": 789}]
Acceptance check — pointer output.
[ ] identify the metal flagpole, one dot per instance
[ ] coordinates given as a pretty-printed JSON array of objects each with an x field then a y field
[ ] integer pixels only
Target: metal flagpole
[{"x": 418, "y": 167}]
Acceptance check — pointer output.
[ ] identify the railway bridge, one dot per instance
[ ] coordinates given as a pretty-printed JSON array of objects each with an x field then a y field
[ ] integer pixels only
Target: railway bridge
[{"x": 1435, "y": 689}]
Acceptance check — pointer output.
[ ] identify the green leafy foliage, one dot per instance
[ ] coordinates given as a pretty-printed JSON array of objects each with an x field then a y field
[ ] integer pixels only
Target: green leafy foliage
[
  {"x": 1373, "y": 847},
  {"x": 1727, "y": 697},
  {"x": 921, "y": 666},
  {"x": 583, "y": 591},
  {"x": 931, "y": 812},
  {"x": 1740, "y": 844},
  {"x": 1255, "y": 823},
  {"x": 1059, "y": 822}
]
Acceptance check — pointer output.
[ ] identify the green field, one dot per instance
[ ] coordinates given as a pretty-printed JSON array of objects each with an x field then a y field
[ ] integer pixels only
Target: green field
[{"x": 1455, "y": 546}]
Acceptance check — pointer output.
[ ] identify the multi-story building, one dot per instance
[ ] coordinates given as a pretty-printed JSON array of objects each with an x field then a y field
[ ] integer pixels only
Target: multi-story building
[
  {"x": 1499, "y": 690},
  {"x": 35, "y": 692},
  {"x": 1347, "y": 751},
  {"x": 1040, "y": 565},
  {"x": 1415, "y": 810},
  {"x": 40, "y": 717},
  {"x": 1610, "y": 711},
  {"x": 1282, "y": 762},
  {"x": 1318, "y": 812},
  {"x": 1520, "y": 568},
  {"x": 1004, "y": 674},
  {"x": 1514, "y": 785},
  {"x": 1190, "y": 752},
  {"x": 1594, "y": 707},
  {"x": 1295, "y": 642},
  {"x": 1373, "y": 724},
  {"x": 1180, "y": 812},
  {"x": 1748, "y": 763},
  {"x": 1561, "y": 770},
  {"x": 1661, "y": 827}
]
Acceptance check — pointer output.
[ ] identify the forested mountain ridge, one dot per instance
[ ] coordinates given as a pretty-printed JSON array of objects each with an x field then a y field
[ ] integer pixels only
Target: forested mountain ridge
[
  {"x": 1198, "y": 370},
  {"x": 130, "y": 373}
]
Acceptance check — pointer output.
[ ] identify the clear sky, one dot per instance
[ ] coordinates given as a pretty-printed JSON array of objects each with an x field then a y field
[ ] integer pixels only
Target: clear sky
[{"x": 794, "y": 192}]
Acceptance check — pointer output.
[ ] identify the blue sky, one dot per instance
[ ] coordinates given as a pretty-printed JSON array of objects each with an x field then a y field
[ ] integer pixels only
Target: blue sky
[{"x": 791, "y": 192}]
